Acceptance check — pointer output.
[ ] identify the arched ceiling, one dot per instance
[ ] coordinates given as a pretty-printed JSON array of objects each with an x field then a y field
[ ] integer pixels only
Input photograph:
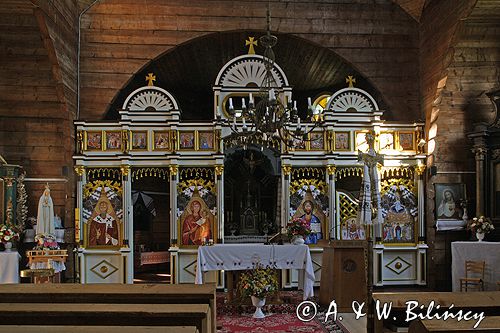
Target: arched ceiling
[{"x": 189, "y": 71}]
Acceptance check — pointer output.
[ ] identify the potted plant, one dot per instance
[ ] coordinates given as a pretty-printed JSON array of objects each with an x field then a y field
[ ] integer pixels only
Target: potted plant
[
  {"x": 8, "y": 235},
  {"x": 258, "y": 283},
  {"x": 297, "y": 230},
  {"x": 481, "y": 226}
]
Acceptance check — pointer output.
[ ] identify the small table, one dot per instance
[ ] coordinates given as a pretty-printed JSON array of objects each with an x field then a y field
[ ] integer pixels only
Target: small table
[
  {"x": 9, "y": 267},
  {"x": 46, "y": 259},
  {"x": 477, "y": 251},
  {"x": 235, "y": 257}
]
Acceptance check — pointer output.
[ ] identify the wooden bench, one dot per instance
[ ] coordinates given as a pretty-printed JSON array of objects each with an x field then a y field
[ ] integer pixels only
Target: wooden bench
[
  {"x": 487, "y": 301},
  {"x": 75, "y": 314},
  {"x": 489, "y": 324},
  {"x": 112, "y": 294},
  {"x": 96, "y": 329}
]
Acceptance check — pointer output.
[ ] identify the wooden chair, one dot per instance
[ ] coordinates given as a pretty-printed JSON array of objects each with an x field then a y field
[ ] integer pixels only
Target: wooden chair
[{"x": 474, "y": 276}]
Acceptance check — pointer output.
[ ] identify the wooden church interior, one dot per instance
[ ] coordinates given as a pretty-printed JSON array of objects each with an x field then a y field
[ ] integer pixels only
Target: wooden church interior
[{"x": 142, "y": 192}]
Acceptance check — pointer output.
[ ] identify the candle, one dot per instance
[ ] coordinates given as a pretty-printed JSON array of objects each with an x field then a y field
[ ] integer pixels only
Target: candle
[
  {"x": 309, "y": 101},
  {"x": 243, "y": 103},
  {"x": 231, "y": 103},
  {"x": 250, "y": 102}
]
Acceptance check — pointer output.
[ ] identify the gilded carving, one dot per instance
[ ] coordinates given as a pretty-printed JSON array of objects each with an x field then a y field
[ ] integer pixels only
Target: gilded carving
[
  {"x": 79, "y": 170},
  {"x": 287, "y": 169},
  {"x": 219, "y": 170},
  {"x": 173, "y": 169},
  {"x": 125, "y": 169}
]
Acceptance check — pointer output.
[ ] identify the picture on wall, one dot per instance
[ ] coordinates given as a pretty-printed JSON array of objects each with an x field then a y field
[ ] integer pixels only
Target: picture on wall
[
  {"x": 342, "y": 141},
  {"x": 299, "y": 144},
  {"x": 399, "y": 209},
  {"x": 186, "y": 140},
  {"x": 139, "y": 140},
  {"x": 206, "y": 140},
  {"x": 161, "y": 140},
  {"x": 197, "y": 207},
  {"x": 94, "y": 140},
  {"x": 406, "y": 141},
  {"x": 386, "y": 141},
  {"x": 113, "y": 140},
  {"x": 317, "y": 141},
  {"x": 448, "y": 200},
  {"x": 103, "y": 213},
  {"x": 309, "y": 201}
]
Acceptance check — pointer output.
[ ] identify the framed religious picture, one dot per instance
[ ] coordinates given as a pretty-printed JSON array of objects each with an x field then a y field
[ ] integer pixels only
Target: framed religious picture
[
  {"x": 361, "y": 143},
  {"x": 139, "y": 140},
  {"x": 342, "y": 141},
  {"x": 406, "y": 141},
  {"x": 160, "y": 140},
  {"x": 317, "y": 141},
  {"x": 186, "y": 140},
  {"x": 93, "y": 140},
  {"x": 299, "y": 144},
  {"x": 448, "y": 201},
  {"x": 386, "y": 140},
  {"x": 206, "y": 140},
  {"x": 113, "y": 140}
]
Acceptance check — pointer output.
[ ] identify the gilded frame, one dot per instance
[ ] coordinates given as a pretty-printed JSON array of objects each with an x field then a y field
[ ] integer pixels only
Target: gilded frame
[
  {"x": 335, "y": 141},
  {"x": 133, "y": 133},
  {"x": 166, "y": 138}
]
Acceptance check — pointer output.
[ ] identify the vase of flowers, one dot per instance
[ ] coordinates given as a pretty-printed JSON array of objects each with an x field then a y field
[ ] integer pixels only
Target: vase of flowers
[
  {"x": 481, "y": 226},
  {"x": 46, "y": 242},
  {"x": 8, "y": 235},
  {"x": 258, "y": 283},
  {"x": 297, "y": 230}
]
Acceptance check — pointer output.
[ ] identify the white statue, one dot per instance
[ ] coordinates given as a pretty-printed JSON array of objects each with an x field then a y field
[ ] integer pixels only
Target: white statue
[{"x": 45, "y": 218}]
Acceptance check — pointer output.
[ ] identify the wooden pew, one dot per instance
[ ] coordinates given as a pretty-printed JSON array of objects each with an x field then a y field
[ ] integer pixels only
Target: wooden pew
[
  {"x": 112, "y": 294},
  {"x": 89, "y": 314},
  {"x": 489, "y": 324},
  {"x": 96, "y": 329},
  {"x": 487, "y": 301}
]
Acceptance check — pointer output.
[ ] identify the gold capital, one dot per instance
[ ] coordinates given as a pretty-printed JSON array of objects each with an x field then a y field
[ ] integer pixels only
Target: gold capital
[
  {"x": 419, "y": 169},
  {"x": 125, "y": 169},
  {"x": 79, "y": 170},
  {"x": 331, "y": 169},
  {"x": 287, "y": 169},
  {"x": 150, "y": 78},
  {"x": 173, "y": 169},
  {"x": 219, "y": 169},
  {"x": 252, "y": 42}
]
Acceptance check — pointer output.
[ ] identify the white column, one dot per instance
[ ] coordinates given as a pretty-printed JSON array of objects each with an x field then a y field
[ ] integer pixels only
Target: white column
[
  {"x": 285, "y": 198},
  {"x": 330, "y": 180},
  {"x": 419, "y": 173},
  {"x": 128, "y": 223},
  {"x": 82, "y": 180},
  {"x": 173, "y": 205},
  {"x": 219, "y": 181}
]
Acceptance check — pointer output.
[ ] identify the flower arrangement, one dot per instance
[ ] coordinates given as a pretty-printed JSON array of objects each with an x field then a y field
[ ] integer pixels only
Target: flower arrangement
[
  {"x": 481, "y": 225},
  {"x": 8, "y": 233},
  {"x": 259, "y": 282},
  {"x": 298, "y": 227},
  {"x": 46, "y": 242}
]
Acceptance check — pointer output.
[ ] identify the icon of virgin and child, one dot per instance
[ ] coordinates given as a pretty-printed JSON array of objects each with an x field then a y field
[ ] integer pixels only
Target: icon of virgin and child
[
  {"x": 103, "y": 225},
  {"x": 197, "y": 222},
  {"x": 310, "y": 212}
]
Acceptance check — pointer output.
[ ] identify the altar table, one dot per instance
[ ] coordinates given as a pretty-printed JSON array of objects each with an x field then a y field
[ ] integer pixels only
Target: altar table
[
  {"x": 477, "y": 251},
  {"x": 235, "y": 257},
  {"x": 9, "y": 267}
]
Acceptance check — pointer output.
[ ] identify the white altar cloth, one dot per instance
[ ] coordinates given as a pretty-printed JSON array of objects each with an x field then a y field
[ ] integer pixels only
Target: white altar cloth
[
  {"x": 233, "y": 257},
  {"x": 9, "y": 267},
  {"x": 477, "y": 251}
]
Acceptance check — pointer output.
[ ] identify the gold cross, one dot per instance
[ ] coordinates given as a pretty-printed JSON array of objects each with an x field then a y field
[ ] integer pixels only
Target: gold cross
[
  {"x": 251, "y": 41},
  {"x": 150, "y": 78},
  {"x": 351, "y": 80}
]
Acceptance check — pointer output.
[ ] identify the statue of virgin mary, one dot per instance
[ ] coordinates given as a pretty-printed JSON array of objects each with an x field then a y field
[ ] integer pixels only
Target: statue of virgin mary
[{"x": 45, "y": 218}]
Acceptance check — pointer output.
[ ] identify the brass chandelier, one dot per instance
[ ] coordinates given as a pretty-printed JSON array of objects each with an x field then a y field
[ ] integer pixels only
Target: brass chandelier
[{"x": 266, "y": 121}]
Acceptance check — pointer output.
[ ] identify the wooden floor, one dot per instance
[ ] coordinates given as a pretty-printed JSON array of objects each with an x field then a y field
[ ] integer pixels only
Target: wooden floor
[{"x": 351, "y": 324}]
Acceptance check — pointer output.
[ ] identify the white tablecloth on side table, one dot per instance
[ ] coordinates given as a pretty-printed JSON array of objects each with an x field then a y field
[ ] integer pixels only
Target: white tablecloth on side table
[
  {"x": 9, "y": 267},
  {"x": 234, "y": 257},
  {"x": 477, "y": 251}
]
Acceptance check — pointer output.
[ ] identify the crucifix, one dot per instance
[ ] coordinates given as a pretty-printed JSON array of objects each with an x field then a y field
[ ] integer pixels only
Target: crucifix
[
  {"x": 252, "y": 42},
  {"x": 150, "y": 78}
]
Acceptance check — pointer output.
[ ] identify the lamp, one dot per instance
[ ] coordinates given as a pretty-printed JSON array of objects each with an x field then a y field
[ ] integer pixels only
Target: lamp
[{"x": 270, "y": 121}]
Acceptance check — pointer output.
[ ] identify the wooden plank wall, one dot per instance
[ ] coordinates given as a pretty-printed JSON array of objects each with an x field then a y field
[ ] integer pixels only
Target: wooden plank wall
[
  {"x": 38, "y": 95},
  {"x": 119, "y": 37},
  {"x": 467, "y": 55}
]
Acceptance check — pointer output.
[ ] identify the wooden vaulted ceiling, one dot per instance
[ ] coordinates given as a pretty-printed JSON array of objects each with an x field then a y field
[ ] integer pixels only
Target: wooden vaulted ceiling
[{"x": 190, "y": 70}]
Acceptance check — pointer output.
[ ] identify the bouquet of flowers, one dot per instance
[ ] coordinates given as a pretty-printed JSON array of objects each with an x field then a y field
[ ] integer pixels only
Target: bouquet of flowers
[
  {"x": 8, "y": 233},
  {"x": 481, "y": 225},
  {"x": 46, "y": 242},
  {"x": 258, "y": 282},
  {"x": 298, "y": 227}
]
